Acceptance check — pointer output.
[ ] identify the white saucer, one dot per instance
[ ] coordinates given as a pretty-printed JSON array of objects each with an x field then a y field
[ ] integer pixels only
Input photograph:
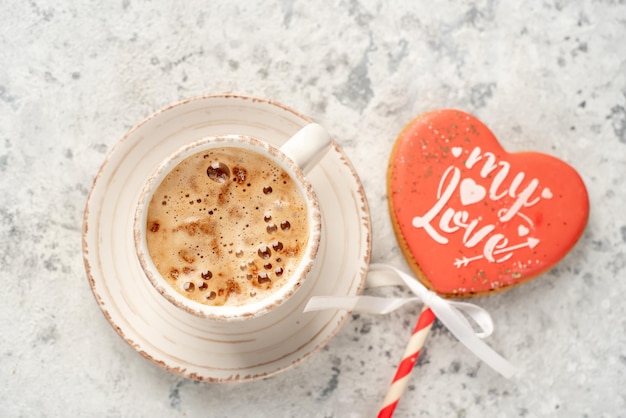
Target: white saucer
[{"x": 176, "y": 340}]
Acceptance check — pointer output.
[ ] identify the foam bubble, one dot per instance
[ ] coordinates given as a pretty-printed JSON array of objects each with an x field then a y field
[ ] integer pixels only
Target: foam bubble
[
  {"x": 218, "y": 172},
  {"x": 264, "y": 252},
  {"x": 240, "y": 174},
  {"x": 264, "y": 278}
]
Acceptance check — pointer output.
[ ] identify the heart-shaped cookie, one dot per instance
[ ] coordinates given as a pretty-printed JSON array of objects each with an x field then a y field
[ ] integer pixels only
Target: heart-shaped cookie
[{"x": 470, "y": 217}]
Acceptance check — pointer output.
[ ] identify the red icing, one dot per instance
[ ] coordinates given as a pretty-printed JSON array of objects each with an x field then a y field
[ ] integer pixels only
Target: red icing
[{"x": 474, "y": 218}]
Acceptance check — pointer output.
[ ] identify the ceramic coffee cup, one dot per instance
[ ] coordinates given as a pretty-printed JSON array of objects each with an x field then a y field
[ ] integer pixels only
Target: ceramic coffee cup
[{"x": 228, "y": 227}]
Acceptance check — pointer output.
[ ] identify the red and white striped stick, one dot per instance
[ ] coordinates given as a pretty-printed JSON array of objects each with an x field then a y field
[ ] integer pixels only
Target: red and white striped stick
[{"x": 401, "y": 379}]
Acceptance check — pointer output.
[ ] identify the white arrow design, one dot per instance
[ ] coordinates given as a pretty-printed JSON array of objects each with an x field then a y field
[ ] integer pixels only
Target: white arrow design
[{"x": 530, "y": 243}]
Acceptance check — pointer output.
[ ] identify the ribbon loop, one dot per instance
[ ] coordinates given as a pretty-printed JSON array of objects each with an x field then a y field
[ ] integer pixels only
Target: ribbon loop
[{"x": 452, "y": 314}]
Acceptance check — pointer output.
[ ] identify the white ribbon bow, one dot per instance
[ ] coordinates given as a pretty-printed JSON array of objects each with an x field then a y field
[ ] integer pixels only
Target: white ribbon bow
[{"x": 450, "y": 313}]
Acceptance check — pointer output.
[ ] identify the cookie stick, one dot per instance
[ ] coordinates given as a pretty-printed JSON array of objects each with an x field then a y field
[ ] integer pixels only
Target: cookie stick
[{"x": 413, "y": 349}]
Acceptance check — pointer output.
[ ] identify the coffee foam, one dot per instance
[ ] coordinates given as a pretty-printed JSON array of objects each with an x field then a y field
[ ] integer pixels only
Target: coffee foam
[{"x": 227, "y": 226}]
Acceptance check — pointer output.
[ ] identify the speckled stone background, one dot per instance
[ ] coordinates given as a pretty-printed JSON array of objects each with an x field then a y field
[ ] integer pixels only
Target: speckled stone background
[{"x": 548, "y": 76}]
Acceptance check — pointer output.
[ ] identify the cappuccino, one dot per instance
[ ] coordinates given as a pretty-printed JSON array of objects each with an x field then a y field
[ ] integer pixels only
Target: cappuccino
[{"x": 227, "y": 227}]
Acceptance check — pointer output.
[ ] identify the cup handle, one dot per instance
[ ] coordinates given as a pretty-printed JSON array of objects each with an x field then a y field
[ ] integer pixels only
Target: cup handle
[{"x": 308, "y": 146}]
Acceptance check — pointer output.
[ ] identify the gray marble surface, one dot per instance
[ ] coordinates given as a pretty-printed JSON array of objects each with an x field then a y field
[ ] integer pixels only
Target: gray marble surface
[{"x": 548, "y": 76}]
